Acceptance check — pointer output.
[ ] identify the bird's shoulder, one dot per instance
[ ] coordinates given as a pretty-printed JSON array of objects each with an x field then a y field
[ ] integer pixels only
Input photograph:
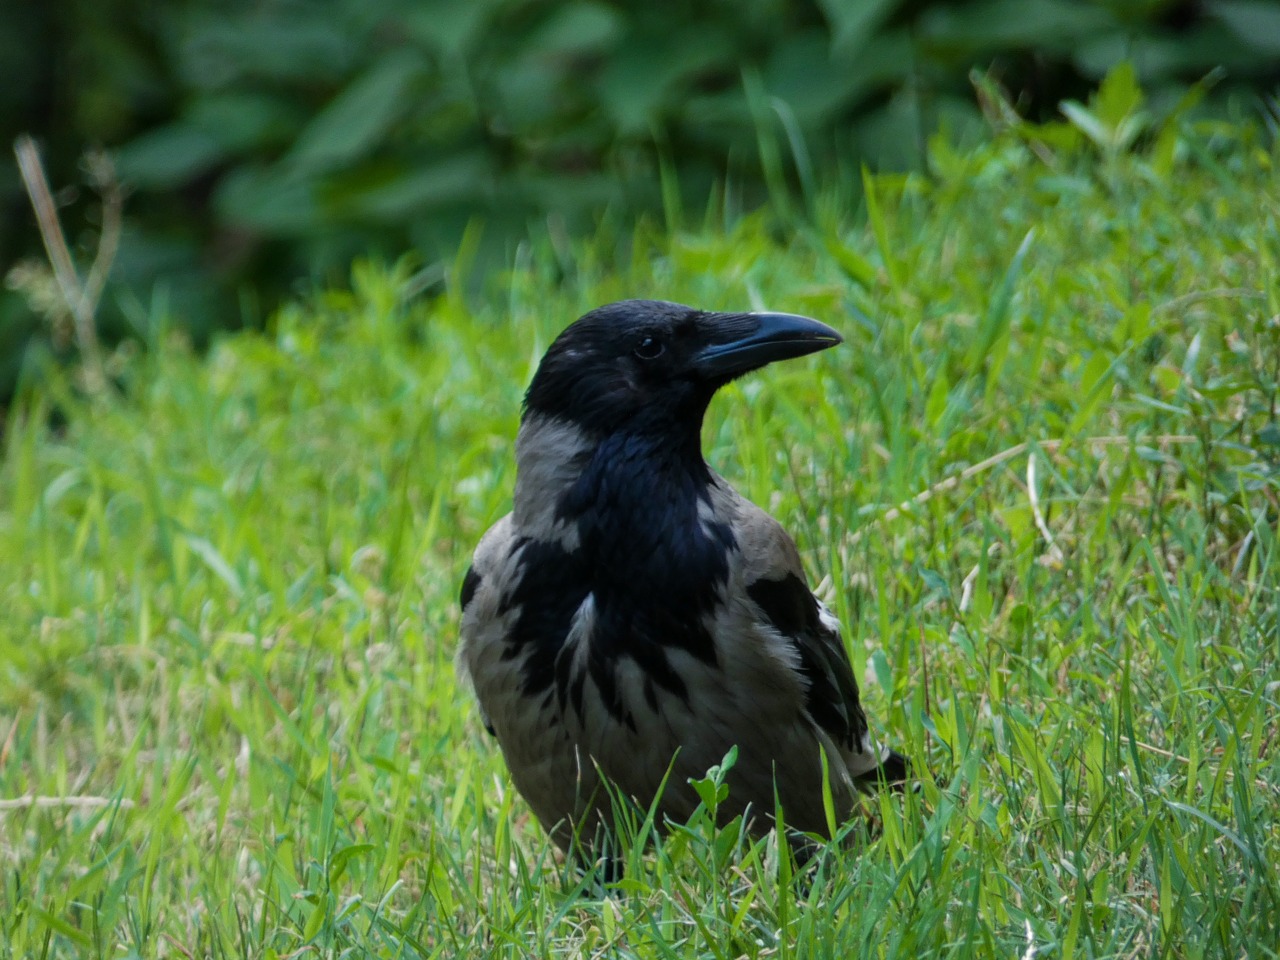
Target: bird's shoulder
[
  {"x": 511, "y": 567},
  {"x": 493, "y": 554}
]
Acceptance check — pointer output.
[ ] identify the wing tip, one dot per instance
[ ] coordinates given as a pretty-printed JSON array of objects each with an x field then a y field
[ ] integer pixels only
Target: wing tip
[{"x": 893, "y": 771}]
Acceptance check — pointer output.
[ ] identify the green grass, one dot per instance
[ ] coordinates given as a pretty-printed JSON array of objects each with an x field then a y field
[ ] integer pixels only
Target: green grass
[{"x": 1040, "y": 485}]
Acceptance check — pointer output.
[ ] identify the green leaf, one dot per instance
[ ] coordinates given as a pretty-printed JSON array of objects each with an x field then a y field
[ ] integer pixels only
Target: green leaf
[
  {"x": 1164, "y": 150},
  {"x": 1269, "y": 436},
  {"x": 267, "y": 200},
  {"x": 314, "y": 922},
  {"x": 451, "y": 29},
  {"x": 1118, "y": 97},
  {"x": 828, "y": 797},
  {"x": 1256, "y": 23},
  {"x": 168, "y": 156},
  {"x": 854, "y": 22},
  {"x": 575, "y": 28},
  {"x": 854, "y": 265},
  {"x": 1086, "y": 122},
  {"x": 216, "y": 562},
  {"x": 356, "y": 121},
  {"x": 1114, "y": 119},
  {"x": 273, "y": 42},
  {"x": 880, "y": 229},
  {"x": 1046, "y": 777},
  {"x": 936, "y": 404},
  {"x": 458, "y": 178},
  {"x": 996, "y": 320},
  {"x": 726, "y": 839},
  {"x": 340, "y": 860},
  {"x": 646, "y": 74},
  {"x": 957, "y": 30},
  {"x": 1093, "y": 382},
  {"x": 801, "y": 73},
  {"x": 883, "y": 671},
  {"x": 712, "y": 789},
  {"x": 708, "y": 792},
  {"x": 247, "y": 121}
]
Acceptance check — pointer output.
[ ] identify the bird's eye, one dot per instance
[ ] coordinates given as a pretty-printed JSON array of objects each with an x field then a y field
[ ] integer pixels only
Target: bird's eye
[{"x": 649, "y": 348}]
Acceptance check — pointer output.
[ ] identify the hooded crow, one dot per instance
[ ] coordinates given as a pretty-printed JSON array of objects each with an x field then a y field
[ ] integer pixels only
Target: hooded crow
[{"x": 634, "y": 618}]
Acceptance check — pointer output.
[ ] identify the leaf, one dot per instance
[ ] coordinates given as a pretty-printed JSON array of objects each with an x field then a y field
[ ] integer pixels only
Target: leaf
[
  {"x": 1269, "y": 436},
  {"x": 1164, "y": 151},
  {"x": 724, "y": 842},
  {"x": 314, "y": 922},
  {"x": 1247, "y": 853},
  {"x": 853, "y": 22},
  {"x": 340, "y": 860},
  {"x": 451, "y": 29},
  {"x": 707, "y": 792},
  {"x": 854, "y": 265},
  {"x": 1114, "y": 119},
  {"x": 1039, "y": 760},
  {"x": 880, "y": 228},
  {"x": 995, "y": 322},
  {"x": 1199, "y": 49},
  {"x": 268, "y": 200},
  {"x": 529, "y": 94},
  {"x": 575, "y": 28},
  {"x": 801, "y": 73},
  {"x": 275, "y": 42},
  {"x": 645, "y": 75},
  {"x": 1097, "y": 376},
  {"x": 828, "y": 797},
  {"x": 455, "y": 179},
  {"x": 1119, "y": 96},
  {"x": 883, "y": 671},
  {"x": 712, "y": 789},
  {"x": 355, "y": 121},
  {"x": 246, "y": 121},
  {"x": 168, "y": 157},
  {"x": 936, "y": 403},
  {"x": 215, "y": 561},
  {"x": 963, "y": 29},
  {"x": 935, "y": 581},
  {"x": 1257, "y": 24},
  {"x": 1086, "y": 122}
]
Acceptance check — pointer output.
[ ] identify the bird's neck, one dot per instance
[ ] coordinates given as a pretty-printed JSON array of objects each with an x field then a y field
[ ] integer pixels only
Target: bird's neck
[
  {"x": 568, "y": 480},
  {"x": 636, "y": 515}
]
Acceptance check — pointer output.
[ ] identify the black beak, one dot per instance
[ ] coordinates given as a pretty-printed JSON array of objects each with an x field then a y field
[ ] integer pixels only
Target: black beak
[{"x": 738, "y": 343}]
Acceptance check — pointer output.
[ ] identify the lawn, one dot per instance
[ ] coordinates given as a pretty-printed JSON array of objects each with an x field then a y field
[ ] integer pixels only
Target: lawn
[{"x": 1039, "y": 484}]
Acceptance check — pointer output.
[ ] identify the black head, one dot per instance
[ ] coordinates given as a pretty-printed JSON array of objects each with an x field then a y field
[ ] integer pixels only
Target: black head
[{"x": 649, "y": 364}]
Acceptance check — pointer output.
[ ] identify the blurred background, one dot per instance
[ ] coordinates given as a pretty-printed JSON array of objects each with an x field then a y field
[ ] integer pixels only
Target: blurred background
[{"x": 258, "y": 147}]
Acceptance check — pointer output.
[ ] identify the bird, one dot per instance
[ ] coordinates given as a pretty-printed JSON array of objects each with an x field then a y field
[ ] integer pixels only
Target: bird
[{"x": 634, "y": 619}]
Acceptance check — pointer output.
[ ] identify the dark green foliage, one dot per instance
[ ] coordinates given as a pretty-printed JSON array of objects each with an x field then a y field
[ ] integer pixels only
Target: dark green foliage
[{"x": 272, "y": 141}]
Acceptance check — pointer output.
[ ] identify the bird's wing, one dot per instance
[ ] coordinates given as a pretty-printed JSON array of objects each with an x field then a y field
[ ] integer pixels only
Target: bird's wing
[
  {"x": 480, "y": 596},
  {"x": 522, "y": 600},
  {"x": 774, "y": 580}
]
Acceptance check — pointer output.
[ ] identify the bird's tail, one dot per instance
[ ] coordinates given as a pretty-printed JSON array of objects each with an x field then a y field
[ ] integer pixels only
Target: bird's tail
[{"x": 893, "y": 770}]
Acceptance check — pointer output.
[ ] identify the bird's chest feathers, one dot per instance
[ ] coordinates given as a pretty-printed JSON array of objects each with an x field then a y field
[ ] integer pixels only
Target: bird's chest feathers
[
  {"x": 628, "y": 588},
  {"x": 646, "y": 522}
]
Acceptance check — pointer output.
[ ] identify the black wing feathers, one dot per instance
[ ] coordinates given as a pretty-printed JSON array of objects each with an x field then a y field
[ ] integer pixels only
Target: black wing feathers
[
  {"x": 552, "y": 586},
  {"x": 470, "y": 583},
  {"x": 831, "y": 696}
]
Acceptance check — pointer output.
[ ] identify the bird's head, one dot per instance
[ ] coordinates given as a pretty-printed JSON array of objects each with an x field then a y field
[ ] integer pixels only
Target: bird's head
[{"x": 641, "y": 365}]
